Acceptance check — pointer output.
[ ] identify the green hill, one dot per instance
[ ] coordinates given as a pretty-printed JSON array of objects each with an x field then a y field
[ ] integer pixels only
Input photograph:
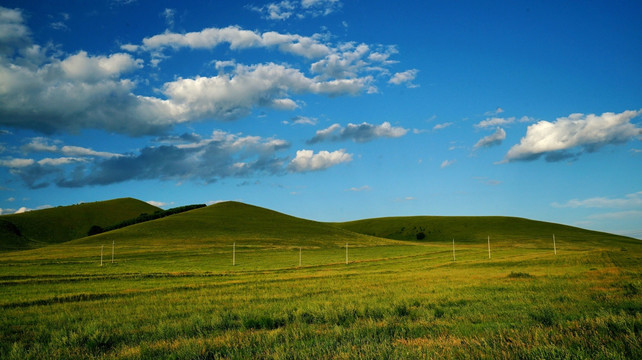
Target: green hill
[
  {"x": 55, "y": 225},
  {"x": 232, "y": 221},
  {"x": 475, "y": 229}
]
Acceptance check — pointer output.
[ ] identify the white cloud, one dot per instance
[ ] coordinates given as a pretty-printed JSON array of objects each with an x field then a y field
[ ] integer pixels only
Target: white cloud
[
  {"x": 303, "y": 120},
  {"x": 300, "y": 9},
  {"x": 39, "y": 144},
  {"x": 630, "y": 200},
  {"x": 59, "y": 25},
  {"x": 60, "y": 161},
  {"x": 278, "y": 11},
  {"x": 49, "y": 98},
  {"x": 56, "y": 102},
  {"x": 307, "y": 160},
  {"x": 230, "y": 96},
  {"x": 11, "y": 199},
  {"x": 168, "y": 14},
  {"x": 363, "y": 132},
  {"x": 585, "y": 133},
  {"x": 359, "y": 189},
  {"x": 442, "y": 126},
  {"x": 156, "y": 203},
  {"x": 447, "y": 163},
  {"x": 494, "y": 112},
  {"x": 95, "y": 68},
  {"x": 343, "y": 63},
  {"x": 13, "y": 33},
  {"x": 81, "y": 151},
  {"x": 495, "y": 121},
  {"x": 16, "y": 163},
  {"x": 22, "y": 210},
  {"x": 237, "y": 39},
  {"x": 42, "y": 144},
  {"x": 130, "y": 47},
  {"x": 405, "y": 77},
  {"x": 493, "y": 139},
  {"x": 46, "y": 90}
]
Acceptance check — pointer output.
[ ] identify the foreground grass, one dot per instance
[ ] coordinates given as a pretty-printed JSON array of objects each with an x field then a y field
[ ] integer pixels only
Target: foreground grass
[{"x": 391, "y": 301}]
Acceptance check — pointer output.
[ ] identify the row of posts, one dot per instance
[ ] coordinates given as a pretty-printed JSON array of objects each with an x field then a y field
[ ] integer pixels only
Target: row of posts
[{"x": 102, "y": 248}]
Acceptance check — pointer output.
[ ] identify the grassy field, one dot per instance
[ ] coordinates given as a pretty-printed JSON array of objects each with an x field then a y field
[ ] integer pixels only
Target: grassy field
[{"x": 172, "y": 292}]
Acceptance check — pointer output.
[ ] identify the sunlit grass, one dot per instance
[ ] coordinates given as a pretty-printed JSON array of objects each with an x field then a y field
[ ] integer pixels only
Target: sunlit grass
[{"x": 390, "y": 301}]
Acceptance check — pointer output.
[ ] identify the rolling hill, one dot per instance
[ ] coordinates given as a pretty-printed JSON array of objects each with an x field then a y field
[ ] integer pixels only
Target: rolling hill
[
  {"x": 60, "y": 224},
  {"x": 233, "y": 221},
  {"x": 475, "y": 229}
]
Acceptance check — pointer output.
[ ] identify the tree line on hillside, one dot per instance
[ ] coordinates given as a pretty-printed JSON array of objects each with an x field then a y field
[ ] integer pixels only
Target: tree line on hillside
[{"x": 95, "y": 229}]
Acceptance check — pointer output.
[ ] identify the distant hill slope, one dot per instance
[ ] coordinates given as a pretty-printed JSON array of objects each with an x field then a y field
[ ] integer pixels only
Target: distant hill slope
[
  {"x": 55, "y": 225},
  {"x": 233, "y": 222},
  {"x": 475, "y": 228}
]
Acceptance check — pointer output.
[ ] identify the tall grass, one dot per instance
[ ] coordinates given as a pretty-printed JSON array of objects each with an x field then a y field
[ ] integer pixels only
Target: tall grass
[{"x": 392, "y": 301}]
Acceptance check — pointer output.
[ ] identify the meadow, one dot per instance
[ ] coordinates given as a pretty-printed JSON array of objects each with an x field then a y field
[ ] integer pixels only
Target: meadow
[{"x": 167, "y": 296}]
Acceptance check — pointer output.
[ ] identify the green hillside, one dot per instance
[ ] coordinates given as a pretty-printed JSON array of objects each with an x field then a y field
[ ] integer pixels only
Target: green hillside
[
  {"x": 229, "y": 222},
  {"x": 475, "y": 229},
  {"x": 176, "y": 287},
  {"x": 64, "y": 223}
]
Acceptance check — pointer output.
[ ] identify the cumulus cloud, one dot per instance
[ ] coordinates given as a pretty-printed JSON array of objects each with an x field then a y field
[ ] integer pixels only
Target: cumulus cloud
[
  {"x": 230, "y": 96},
  {"x": 493, "y": 139},
  {"x": 220, "y": 156},
  {"x": 92, "y": 69},
  {"x": 237, "y": 38},
  {"x": 13, "y": 33},
  {"x": 630, "y": 200},
  {"x": 359, "y": 189},
  {"x": 360, "y": 133},
  {"x": 307, "y": 160},
  {"x": 345, "y": 63},
  {"x": 346, "y": 60},
  {"x": 495, "y": 121},
  {"x": 405, "y": 77},
  {"x": 75, "y": 99},
  {"x": 80, "y": 91},
  {"x": 577, "y": 132},
  {"x": 48, "y": 91}
]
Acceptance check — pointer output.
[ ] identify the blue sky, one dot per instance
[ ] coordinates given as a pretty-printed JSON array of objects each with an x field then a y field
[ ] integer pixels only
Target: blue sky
[{"x": 330, "y": 110}]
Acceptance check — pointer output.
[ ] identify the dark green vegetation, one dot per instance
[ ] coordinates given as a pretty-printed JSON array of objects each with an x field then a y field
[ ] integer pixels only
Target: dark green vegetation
[
  {"x": 158, "y": 214},
  {"x": 56, "y": 225},
  {"x": 172, "y": 291}
]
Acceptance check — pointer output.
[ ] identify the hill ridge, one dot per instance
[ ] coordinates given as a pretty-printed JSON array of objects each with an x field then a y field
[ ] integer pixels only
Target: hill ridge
[{"x": 64, "y": 223}]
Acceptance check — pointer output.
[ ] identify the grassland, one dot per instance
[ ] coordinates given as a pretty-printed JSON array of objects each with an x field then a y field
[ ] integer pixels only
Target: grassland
[
  {"x": 172, "y": 292},
  {"x": 56, "y": 225}
]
